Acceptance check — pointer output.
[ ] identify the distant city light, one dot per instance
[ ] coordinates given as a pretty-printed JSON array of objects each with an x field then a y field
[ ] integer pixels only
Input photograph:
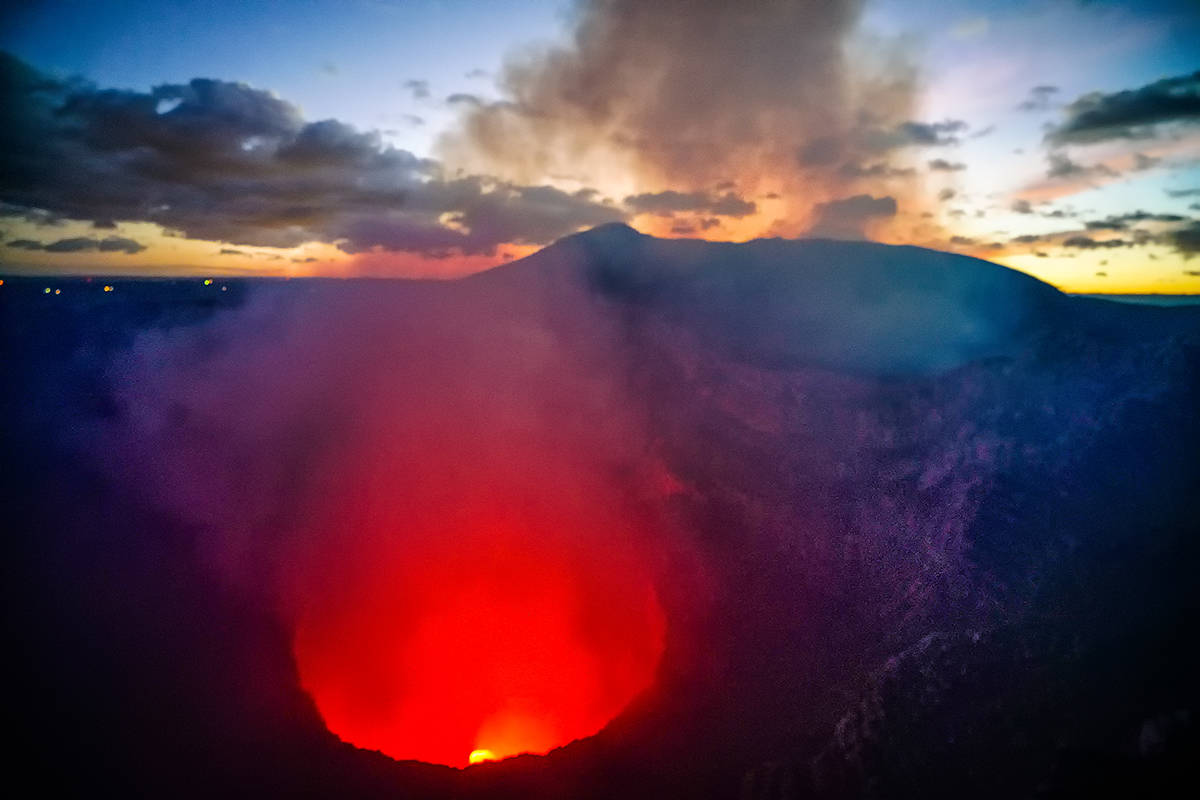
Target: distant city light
[
  {"x": 108, "y": 288},
  {"x": 208, "y": 281},
  {"x": 46, "y": 290}
]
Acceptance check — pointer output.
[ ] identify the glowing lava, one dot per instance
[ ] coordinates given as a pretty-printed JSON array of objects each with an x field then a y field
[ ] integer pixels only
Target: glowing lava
[
  {"x": 478, "y": 645},
  {"x": 479, "y": 756}
]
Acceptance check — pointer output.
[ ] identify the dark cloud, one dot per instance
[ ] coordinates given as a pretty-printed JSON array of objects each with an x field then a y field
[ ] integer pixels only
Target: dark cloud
[
  {"x": 1063, "y": 167},
  {"x": 923, "y": 134},
  {"x": 418, "y": 88},
  {"x": 1186, "y": 240},
  {"x": 229, "y": 251},
  {"x": 1184, "y": 192},
  {"x": 1131, "y": 114},
  {"x": 962, "y": 241},
  {"x": 1040, "y": 98},
  {"x": 946, "y": 194},
  {"x": 942, "y": 165},
  {"x": 1142, "y": 162},
  {"x": 460, "y": 98},
  {"x": 1022, "y": 207},
  {"x": 230, "y": 163},
  {"x": 880, "y": 170},
  {"x": 1088, "y": 243},
  {"x": 118, "y": 244},
  {"x": 79, "y": 244},
  {"x": 669, "y": 202},
  {"x": 848, "y": 218},
  {"x": 1028, "y": 238},
  {"x": 1123, "y": 221}
]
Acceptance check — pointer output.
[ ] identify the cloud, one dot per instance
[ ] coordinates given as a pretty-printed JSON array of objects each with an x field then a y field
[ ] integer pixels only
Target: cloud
[
  {"x": 932, "y": 134},
  {"x": 418, "y": 88},
  {"x": 1088, "y": 243},
  {"x": 78, "y": 244},
  {"x": 461, "y": 98},
  {"x": 848, "y": 217},
  {"x": 1186, "y": 240},
  {"x": 1040, "y": 98},
  {"x": 1022, "y": 206},
  {"x": 1063, "y": 167},
  {"x": 880, "y": 170},
  {"x": 1142, "y": 162},
  {"x": 681, "y": 94},
  {"x": 946, "y": 194},
  {"x": 942, "y": 165},
  {"x": 1130, "y": 114},
  {"x": 1122, "y": 221},
  {"x": 1193, "y": 192},
  {"x": 230, "y": 163}
]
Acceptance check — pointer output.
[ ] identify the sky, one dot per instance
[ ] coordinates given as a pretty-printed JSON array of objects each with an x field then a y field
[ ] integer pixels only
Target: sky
[{"x": 434, "y": 138}]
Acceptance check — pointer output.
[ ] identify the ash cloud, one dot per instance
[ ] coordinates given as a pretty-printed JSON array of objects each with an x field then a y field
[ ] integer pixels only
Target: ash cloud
[
  {"x": 848, "y": 218},
  {"x": 669, "y": 202},
  {"x": 680, "y": 95}
]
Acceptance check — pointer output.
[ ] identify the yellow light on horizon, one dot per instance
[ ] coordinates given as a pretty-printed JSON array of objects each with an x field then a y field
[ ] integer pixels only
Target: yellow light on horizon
[{"x": 479, "y": 756}]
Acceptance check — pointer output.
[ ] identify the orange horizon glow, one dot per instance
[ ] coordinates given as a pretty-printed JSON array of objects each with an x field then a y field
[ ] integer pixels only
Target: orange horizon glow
[{"x": 1131, "y": 272}]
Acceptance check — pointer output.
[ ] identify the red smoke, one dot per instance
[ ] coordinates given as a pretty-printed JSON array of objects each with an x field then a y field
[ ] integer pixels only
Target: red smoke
[{"x": 441, "y": 496}]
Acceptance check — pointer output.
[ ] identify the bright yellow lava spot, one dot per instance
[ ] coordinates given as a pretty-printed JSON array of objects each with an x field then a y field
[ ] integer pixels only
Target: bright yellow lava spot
[{"x": 479, "y": 756}]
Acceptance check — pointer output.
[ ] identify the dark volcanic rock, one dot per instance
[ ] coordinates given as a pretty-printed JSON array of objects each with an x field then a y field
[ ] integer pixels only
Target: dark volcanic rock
[{"x": 933, "y": 522}]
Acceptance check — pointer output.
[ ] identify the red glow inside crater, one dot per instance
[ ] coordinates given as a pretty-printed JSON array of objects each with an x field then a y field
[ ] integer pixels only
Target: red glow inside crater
[{"x": 495, "y": 636}]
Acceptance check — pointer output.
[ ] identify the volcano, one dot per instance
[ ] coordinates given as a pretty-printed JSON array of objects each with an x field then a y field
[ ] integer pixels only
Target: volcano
[{"x": 628, "y": 517}]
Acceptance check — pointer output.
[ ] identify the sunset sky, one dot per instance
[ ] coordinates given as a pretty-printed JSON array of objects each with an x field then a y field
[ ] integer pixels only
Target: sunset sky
[{"x": 441, "y": 137}]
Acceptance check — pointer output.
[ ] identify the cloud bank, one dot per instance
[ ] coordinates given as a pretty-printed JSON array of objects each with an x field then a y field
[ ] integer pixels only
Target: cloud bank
[{"x": 226, "y": 162}]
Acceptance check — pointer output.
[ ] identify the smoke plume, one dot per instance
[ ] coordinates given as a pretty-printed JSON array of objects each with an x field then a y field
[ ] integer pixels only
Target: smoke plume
[{"x": 690, "y": 95}]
